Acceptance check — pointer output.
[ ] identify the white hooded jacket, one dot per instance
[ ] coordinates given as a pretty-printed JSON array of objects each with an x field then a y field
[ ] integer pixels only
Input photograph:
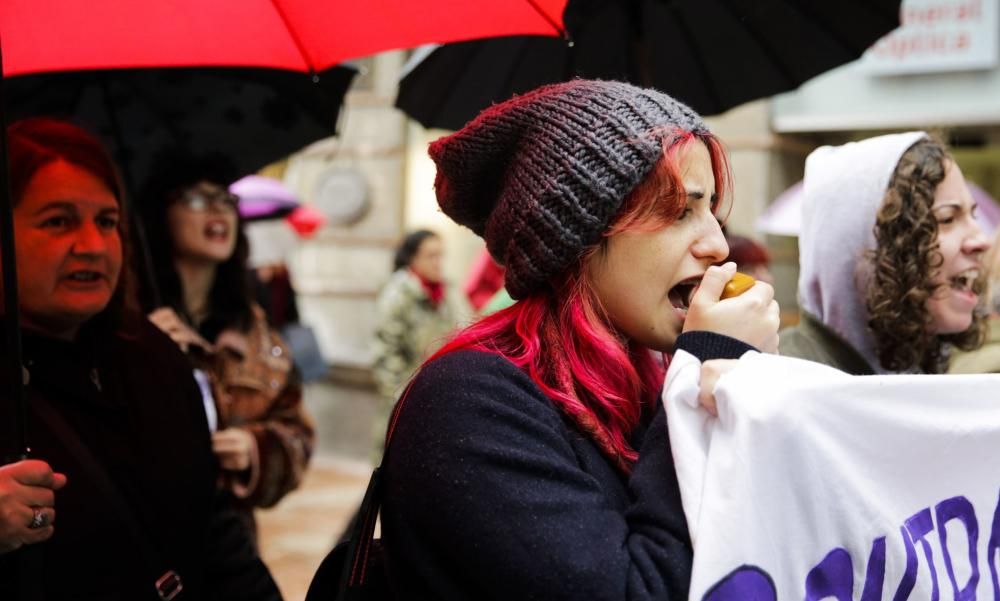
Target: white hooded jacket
[{"x": 844, "y": 189}]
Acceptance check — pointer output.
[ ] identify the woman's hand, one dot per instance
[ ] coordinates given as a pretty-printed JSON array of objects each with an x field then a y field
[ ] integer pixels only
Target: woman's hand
[
  {"x": 711, "y": 371},
  {"x": 181, "y": 333},
  {"x": 752, "y": 317},
  {"x": 27, "y": 503},
  {"x": 234, "y": 447}
]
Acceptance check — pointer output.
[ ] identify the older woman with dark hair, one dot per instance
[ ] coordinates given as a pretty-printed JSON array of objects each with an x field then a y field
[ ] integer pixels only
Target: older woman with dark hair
[
  {"x": 121, "y": 453},
  {"x": 262, "y": 435},
  {"x": 891, "y": 258}
]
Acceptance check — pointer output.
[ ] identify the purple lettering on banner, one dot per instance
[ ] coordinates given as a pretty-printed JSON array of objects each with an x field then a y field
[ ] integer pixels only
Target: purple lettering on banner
[
  {"x": 745, "y": 583},
  {"x": 875, "y": 575},
  {"x": 918, "y": 526},
  {"x": 910, "y": 574},
  {"x": 831, "y": 577},
  {"x": 991, "y": 551},
  {"x": 961, "y": 509}
]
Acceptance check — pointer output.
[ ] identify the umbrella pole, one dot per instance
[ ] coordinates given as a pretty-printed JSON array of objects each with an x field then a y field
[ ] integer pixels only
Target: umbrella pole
[
  {"x": 140, "y": 248},
  {"x": 13, "y": 365}
]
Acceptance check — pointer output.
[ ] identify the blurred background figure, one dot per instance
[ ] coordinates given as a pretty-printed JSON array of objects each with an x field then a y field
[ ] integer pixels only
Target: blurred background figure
[
  {"x": 271, "y": 243},
  {"x": 484, "y": 280},
  {"x": 750, "y": 257},
  {"x": 274, "y": 222},
  {"x": 262, "y": 435},
  {"x": 414, "y": 316},
  {"x": 987, "y": 358}
]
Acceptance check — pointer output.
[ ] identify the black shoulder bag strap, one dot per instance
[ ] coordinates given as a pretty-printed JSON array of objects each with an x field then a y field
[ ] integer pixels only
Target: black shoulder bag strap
[
  {"x": 350, "y": 560},
  {"x": 166, "y": 581}
]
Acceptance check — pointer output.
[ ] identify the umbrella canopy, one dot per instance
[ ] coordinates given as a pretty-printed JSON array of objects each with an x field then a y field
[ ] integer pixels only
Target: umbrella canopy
[
  {"x": 710, "y": 54},
  {"x": 251, "y": 116},
  {"x": 783, "y": 217},
  {"x": 298, "y": 35},
  {"x": 263, "y": 198}
]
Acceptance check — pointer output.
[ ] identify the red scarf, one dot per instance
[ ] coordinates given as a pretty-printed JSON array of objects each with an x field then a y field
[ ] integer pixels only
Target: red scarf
[{"x": 434, "y": 290}]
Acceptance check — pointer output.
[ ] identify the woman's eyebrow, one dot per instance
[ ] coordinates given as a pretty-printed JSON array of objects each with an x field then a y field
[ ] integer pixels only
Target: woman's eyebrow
[
  {"x": 949, "y": 204},
  {"x": 62, "y": 205}
]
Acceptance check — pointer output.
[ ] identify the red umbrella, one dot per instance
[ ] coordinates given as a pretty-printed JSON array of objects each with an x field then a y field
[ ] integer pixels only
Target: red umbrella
[
  {"x": 308, "y": 36},
  {"x": 298, "y": 35}
]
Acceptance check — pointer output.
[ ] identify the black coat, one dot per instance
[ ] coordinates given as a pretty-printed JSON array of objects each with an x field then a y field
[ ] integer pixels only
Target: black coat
[
  {"x": 491, "y": 493},
  {"x": 137, "y": 408}
]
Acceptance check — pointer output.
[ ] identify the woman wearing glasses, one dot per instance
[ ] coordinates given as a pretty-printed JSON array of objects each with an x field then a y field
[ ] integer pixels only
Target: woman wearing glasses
[{"x": 262, "y": 436}]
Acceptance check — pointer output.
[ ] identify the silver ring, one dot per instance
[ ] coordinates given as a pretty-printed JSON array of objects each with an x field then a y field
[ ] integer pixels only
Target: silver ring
[{"x": 38, "y": 518}]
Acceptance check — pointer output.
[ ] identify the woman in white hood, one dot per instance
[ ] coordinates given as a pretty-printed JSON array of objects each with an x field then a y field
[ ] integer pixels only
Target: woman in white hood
[{"x": 890, "y": 256}]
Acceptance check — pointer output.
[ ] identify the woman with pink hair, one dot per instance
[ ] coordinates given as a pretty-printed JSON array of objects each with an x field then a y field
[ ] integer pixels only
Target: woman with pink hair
[{"x": 529, "y": 458}]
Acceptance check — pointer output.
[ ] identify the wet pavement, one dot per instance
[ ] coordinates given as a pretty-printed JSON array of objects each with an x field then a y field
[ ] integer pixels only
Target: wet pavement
[{"x": 297, "y": 534}]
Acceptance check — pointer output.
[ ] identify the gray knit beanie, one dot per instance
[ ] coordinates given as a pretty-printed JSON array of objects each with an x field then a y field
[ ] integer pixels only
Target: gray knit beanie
[{"x": 540, "y": 177}]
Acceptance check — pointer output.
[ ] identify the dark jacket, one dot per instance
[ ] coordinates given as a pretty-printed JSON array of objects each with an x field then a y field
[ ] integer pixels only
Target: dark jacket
[
  {"x": 813, "y": 341},
  {"x": 492, "y": 493},
  {"x": 136, "y": 407}
]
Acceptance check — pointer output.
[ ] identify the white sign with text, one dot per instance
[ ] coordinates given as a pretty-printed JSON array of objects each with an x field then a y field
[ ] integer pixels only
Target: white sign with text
[{"x": 938, "y": 35}]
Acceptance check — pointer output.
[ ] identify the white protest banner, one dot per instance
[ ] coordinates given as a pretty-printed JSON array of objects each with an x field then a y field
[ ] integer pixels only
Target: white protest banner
[{"x": 813, "y": 484}]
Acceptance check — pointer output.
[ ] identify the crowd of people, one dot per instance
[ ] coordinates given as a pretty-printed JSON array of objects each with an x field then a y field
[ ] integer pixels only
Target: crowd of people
[{"x": 532, "y": 460}]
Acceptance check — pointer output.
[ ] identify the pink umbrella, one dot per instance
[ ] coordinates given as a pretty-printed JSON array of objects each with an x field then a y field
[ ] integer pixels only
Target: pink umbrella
[
  {"x": 263, "y": 198},
  {"x": 784, "y": 216}
]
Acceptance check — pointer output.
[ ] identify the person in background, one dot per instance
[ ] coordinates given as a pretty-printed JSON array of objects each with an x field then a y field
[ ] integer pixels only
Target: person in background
[
  {"x": 271, "y": 242},
  {"x": 750, "y": 257},
  {"x": 530, "y": 458},
  {"x": 414, "y": 315},
  {"x": 264, "y": 437},
  {"x": 119, "y": 499},
  {"x": 890, "y": 255},
  {"x": 987, "y": 358},
  {"x": 484, "y": 280}
]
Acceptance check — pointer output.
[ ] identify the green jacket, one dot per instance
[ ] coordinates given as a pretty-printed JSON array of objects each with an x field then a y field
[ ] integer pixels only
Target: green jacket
[
  {"x": 408, "y": 330},
  {"x": 812, "y": 340},
  {"x": 985, "y": 360}
]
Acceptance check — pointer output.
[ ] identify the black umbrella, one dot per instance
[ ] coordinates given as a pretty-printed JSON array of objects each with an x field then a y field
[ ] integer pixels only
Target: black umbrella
[
  {"x": 710, "y": 54},
  {"x": 251, "y": 116}
]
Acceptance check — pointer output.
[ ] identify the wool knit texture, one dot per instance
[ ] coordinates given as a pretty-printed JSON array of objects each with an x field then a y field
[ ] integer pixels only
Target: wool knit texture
[{"x": 541, "y": 177}]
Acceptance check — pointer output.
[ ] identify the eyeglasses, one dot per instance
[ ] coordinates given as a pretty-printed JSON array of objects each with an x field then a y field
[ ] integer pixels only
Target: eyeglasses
[{"x": 201, "y": 200}]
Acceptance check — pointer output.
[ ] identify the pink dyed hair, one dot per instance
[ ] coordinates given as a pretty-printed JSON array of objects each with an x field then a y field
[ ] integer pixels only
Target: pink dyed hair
[{"x": 562, "y": 337}]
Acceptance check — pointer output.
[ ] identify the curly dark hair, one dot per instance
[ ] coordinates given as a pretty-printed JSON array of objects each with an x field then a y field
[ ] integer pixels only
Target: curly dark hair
[
  {"x": 231, "y": 296},
  {"x": 904, "y": 261}
]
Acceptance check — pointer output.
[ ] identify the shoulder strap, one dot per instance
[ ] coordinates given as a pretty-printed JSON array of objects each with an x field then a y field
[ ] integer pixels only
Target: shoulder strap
[
  {"x": 166, "y": 582},
  {"x": 363, "y": 530}
]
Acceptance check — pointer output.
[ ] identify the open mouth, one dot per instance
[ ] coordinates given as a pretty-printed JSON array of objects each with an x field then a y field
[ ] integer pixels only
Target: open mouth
[
  {"x": 217, "y": 230},
  {"x": 964, "y": 281},
  {"x": 84, "y": 276},
  {"x": 681, "y": 294}
]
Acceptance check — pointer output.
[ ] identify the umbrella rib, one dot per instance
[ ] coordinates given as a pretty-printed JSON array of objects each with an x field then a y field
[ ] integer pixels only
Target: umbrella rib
[
  {"x": 295, "y": 38},
  {"x": 547, "y": 17},
  {"x": 699, "y": 59}
]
